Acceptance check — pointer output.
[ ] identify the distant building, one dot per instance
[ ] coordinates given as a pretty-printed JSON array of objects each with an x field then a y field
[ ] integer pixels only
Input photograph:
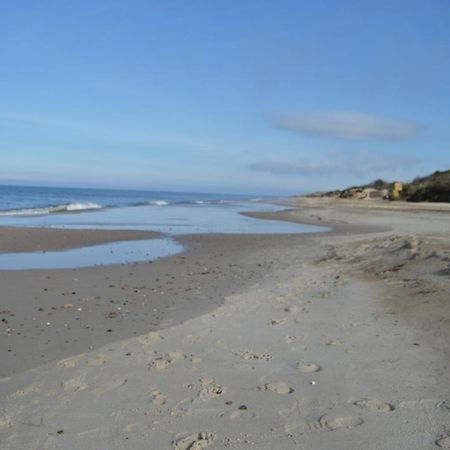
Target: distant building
[{"x": 398, "y": 187}]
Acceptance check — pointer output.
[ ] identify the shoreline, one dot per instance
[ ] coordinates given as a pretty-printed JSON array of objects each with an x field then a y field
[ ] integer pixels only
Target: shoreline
[{"x": 325, "y": 340}]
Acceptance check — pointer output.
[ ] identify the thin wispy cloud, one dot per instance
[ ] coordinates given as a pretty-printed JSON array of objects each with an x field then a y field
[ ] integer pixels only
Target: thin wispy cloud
[
  {"x": 349, "y": 125},
  {"x": 358, "y": 163}
]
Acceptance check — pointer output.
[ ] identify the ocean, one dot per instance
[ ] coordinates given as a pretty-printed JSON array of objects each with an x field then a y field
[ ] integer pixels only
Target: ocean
[
  {"x": 170, "y": 213},
  {"x": 30, "y": 200}
]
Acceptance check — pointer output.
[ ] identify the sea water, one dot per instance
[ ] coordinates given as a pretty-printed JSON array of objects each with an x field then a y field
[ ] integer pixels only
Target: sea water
[{"x": 170, "y": 213}]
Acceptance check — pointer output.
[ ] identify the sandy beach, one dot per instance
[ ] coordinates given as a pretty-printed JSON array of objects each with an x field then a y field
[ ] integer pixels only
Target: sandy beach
[{"x": 335, "y": 340}]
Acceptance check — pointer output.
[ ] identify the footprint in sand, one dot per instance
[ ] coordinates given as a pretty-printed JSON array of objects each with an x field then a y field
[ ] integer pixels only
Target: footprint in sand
[
  {"x": 308, "y": 368},
  {"x": 68, "y": 363},
  {"x": 99, "y": 360},
  {"x": 109, "y": 385},
  {"x": 274, "y": 322},
  {"x": 157, "y": 398},
  {"x": 210, "y": 390},
  {"x": 75, "y": 384},
  {"x": 331, "y": 422},
  {"x": 278, "y": 388},
  {"x": 443, "y": 442},
  {"x": 374, "y": 405},
  {"x": 149, "y": 339},
  {"x": 5, "y": 422},
  {"x": 163, "y": 362},
  {"x": 196, "y": 441},
  {"x": 445, "y": 405},
  {"x": 196, "y": 359},
  {"x": 32, "y": 389},
  {"x": 253, "y": 356},
  {"x": 182, "y": 408},
  {"x": 333, "y": 343}
]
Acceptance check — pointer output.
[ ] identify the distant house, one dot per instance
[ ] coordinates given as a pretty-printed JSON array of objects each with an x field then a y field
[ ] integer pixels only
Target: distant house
[{"x": 398, "y": 187}]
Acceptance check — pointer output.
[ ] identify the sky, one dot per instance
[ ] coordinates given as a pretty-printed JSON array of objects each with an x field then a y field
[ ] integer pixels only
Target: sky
[{"x": 238, "y": 96}]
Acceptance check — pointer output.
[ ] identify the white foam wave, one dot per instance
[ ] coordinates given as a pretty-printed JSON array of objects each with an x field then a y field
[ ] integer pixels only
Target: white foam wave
[
  {"x": 82, "y": 206},
  {"x": 158, "y": 202},
  {"x": 69, "y": 207}
]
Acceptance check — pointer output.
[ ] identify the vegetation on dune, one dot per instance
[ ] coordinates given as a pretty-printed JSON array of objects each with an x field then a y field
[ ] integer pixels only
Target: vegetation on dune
[{"x": 431, "y": 188}]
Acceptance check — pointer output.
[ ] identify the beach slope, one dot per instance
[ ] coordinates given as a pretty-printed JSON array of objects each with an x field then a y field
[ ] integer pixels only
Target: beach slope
[{"x": 333, "y": 340}]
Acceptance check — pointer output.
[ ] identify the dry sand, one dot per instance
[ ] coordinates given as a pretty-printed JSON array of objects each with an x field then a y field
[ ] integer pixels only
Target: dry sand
[{"x": 325, "y": 341}]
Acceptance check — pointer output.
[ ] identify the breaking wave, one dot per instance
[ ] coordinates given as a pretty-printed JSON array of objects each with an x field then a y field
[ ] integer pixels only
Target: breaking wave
[{"x": 68, "y": 207}]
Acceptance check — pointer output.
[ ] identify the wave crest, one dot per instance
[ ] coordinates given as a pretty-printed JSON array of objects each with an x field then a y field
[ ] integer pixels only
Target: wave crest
[{"x": 68, "y": 207}]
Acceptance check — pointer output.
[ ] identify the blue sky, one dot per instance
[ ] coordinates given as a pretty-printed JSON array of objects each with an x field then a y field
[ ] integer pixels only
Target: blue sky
[{"x": 232, "y": 96}]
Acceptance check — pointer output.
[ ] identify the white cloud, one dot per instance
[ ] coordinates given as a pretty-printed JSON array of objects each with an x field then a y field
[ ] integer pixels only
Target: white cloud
[
  {"x": 359, "y": 163},
  {"x": 349, "y": 125}
]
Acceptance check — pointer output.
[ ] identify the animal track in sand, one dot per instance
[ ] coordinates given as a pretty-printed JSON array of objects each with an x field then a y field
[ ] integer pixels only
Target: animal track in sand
[
  {"x": 279, "y": 387},
  {"x": 374, "y": 405},
  {"x": 253, "y": 356},
  {"x": 308, "y": 368},
  {"x": 443, "y": 442},
  {"x": 196, "y": 441}
]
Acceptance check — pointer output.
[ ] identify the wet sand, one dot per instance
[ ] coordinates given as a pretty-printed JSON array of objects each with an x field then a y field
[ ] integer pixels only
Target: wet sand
[
  {"x": 336, "y": 341},
  {"x": 52, "y": 314},
  {"x": 23, "y": 239}
]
